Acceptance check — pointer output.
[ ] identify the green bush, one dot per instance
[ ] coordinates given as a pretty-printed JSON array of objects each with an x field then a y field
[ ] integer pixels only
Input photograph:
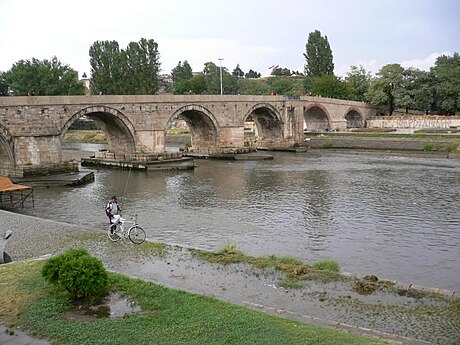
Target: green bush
[{"x": 79, "y": 273}]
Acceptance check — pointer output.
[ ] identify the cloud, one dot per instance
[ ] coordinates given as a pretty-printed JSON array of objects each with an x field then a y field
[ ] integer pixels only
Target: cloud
[
  {"x": 370, "y": 65},
  {"x": 198, "y": 51},
  {"x": 423, "y": 63}
]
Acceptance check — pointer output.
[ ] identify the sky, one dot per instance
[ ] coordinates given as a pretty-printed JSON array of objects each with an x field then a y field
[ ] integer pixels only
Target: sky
[{"x": 254, "y": 34}]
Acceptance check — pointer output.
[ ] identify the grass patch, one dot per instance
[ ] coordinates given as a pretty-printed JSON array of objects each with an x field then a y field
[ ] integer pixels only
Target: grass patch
[
  {"x": 323, "y": 271},
  {"x": 327, "y": 145},
  {"x": 168, "y": 316},
  {"x": 327, "y": 264},
  {"x": 289, "y": 282},
  {"x": 178, "y": 131},
  {"x": 85, "y": 136}
]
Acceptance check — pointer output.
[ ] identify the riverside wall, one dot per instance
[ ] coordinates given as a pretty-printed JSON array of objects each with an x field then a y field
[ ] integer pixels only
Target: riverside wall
[{"x": 413, "y": 122}]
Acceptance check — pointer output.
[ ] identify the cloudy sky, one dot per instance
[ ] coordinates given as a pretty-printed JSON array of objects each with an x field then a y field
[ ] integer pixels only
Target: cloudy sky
[{"x": 254, "y": 33}]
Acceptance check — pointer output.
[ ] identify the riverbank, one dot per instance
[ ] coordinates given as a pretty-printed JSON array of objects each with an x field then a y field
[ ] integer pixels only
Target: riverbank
[{"x": 397, "y": 312}]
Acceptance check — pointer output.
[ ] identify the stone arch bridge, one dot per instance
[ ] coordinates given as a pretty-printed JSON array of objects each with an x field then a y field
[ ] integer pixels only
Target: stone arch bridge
[{"x": 32, "y": 128}]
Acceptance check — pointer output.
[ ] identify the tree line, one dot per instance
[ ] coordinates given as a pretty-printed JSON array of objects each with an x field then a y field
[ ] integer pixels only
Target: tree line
[{"x": 135, "y": 70}]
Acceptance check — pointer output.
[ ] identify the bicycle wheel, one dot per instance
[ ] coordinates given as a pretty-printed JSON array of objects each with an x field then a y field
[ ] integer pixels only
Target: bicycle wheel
[
  {"x": 136, "y": 234},
  {"x": 115, "y": 236}
]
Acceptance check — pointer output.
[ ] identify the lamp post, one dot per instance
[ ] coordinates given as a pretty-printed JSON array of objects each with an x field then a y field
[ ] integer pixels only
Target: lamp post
[{"x": 221, "y": 86}]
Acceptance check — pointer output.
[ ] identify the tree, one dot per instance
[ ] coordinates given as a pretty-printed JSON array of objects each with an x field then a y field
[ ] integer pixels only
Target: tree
[
  {"x": 42, "y": 78},
  {"x": 416, "y": 90},
  {"x": 183, "y": 71},
  {"x": 106, "y": 68},
  {"x": 447, "y": 80},
  {"x": 3, "y": 85},
  {"x": 131, "y": 71},
  {"x": 358, "y": 81},
  {"x": 212, "y": 76},
  {"x": 386, "y": 88},
  {"x": 197, "y": 84},
  {"x": 319, "y": 60},
  {"x": 237, "y": 72},
  {"x": 143, "y": 63},
  {"x": 252, "y": 74},
  {"x": 250, "y": 86},
  {"x": 281, "y": 72},
  {"x": 330, "y": 86},
  {"x": 181, "y": 75}
]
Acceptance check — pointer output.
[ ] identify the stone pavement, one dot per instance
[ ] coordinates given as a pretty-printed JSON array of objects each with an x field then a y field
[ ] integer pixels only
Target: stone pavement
[{"x": 316, "y": 303}]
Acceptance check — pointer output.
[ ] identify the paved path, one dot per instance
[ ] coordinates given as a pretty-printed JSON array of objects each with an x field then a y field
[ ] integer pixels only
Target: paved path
[{"x": 238, "y": 283}]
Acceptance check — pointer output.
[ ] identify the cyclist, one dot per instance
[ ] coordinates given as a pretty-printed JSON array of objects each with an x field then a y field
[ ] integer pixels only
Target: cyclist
[{"x": 112, "y": 209}]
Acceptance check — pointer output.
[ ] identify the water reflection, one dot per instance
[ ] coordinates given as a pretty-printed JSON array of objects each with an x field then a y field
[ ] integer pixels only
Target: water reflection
[{"x": 396, "y": 217}]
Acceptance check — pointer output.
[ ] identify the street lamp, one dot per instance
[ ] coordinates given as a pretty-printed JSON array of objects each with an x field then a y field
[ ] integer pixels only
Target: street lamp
[{"x": 221, "y": 87}]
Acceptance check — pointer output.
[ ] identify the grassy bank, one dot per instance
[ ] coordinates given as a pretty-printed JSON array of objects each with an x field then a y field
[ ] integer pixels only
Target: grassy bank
[
  {"x": 85, "y": 136},
  {"x": 168, "y": 316}
]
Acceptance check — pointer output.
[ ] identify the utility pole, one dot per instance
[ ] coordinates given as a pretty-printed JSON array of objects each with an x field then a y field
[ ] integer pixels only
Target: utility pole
[{"x": 221, "y": 86}]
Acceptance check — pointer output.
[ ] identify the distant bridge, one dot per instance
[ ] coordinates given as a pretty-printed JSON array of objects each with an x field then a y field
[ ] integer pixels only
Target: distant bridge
[{"x": 32, "y": 128}]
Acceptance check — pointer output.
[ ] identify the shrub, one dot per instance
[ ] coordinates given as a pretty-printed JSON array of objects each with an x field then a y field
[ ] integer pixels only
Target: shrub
[{"x": 79, "y": 273}]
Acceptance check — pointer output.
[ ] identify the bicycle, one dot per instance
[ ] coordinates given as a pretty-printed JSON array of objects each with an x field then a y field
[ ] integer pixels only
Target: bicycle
[{"x": 135, "y": 233}]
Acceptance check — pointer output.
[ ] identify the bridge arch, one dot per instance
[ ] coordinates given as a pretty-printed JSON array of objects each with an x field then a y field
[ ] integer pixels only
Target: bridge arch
[
  {"x": 268, "y": 123},
  {"x": 316, "y": 118},
  {"x": 6, "y": 147},
  {"x": 354, "y": 118},
  {"x": 204, "y": 129},
  {"x": 119, "y": 131}
]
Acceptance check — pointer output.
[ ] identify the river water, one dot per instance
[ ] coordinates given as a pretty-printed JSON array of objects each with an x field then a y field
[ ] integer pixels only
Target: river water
[{"x": 392, "y": 216}]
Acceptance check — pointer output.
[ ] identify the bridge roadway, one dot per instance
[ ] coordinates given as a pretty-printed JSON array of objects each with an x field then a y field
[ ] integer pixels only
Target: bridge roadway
[{"x": 32, "y": 127}]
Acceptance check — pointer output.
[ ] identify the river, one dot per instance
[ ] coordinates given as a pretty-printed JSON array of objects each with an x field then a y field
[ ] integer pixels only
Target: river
[{"x": 392, "y": 216}]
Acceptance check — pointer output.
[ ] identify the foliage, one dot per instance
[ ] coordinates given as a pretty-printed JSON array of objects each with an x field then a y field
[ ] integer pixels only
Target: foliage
[
  {"x": 330, "y": 86},
  {"x": 238, "y": 72},
  {"x": 131, "y": 71},
  {"x": 253, "y": 87},
  {"x": 287, "y": 86},
  {"x": 78, "y": 273},
  {"x": 3, "y": 85},
  {"x": 358, "y": 81},
  {"x": 446, "y": 73},
  {"x": 439, "y": 90},
  {"x": 211, "y": 73},
  {"x": 252, "y": 74},
  {"x": 183, "y": 71},
  {"x": 281, "y": 72},
  {"x": 181, "y": 76},
  {"x": 41, "y": 78},
  {"x": 319, "y": 60},
  {"x": 417, "y": 90},
  {"x": 387, "y": 87}
]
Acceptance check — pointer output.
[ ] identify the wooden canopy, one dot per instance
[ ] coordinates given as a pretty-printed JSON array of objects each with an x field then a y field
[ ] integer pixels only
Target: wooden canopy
[{"x": 12, "y": 195}]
